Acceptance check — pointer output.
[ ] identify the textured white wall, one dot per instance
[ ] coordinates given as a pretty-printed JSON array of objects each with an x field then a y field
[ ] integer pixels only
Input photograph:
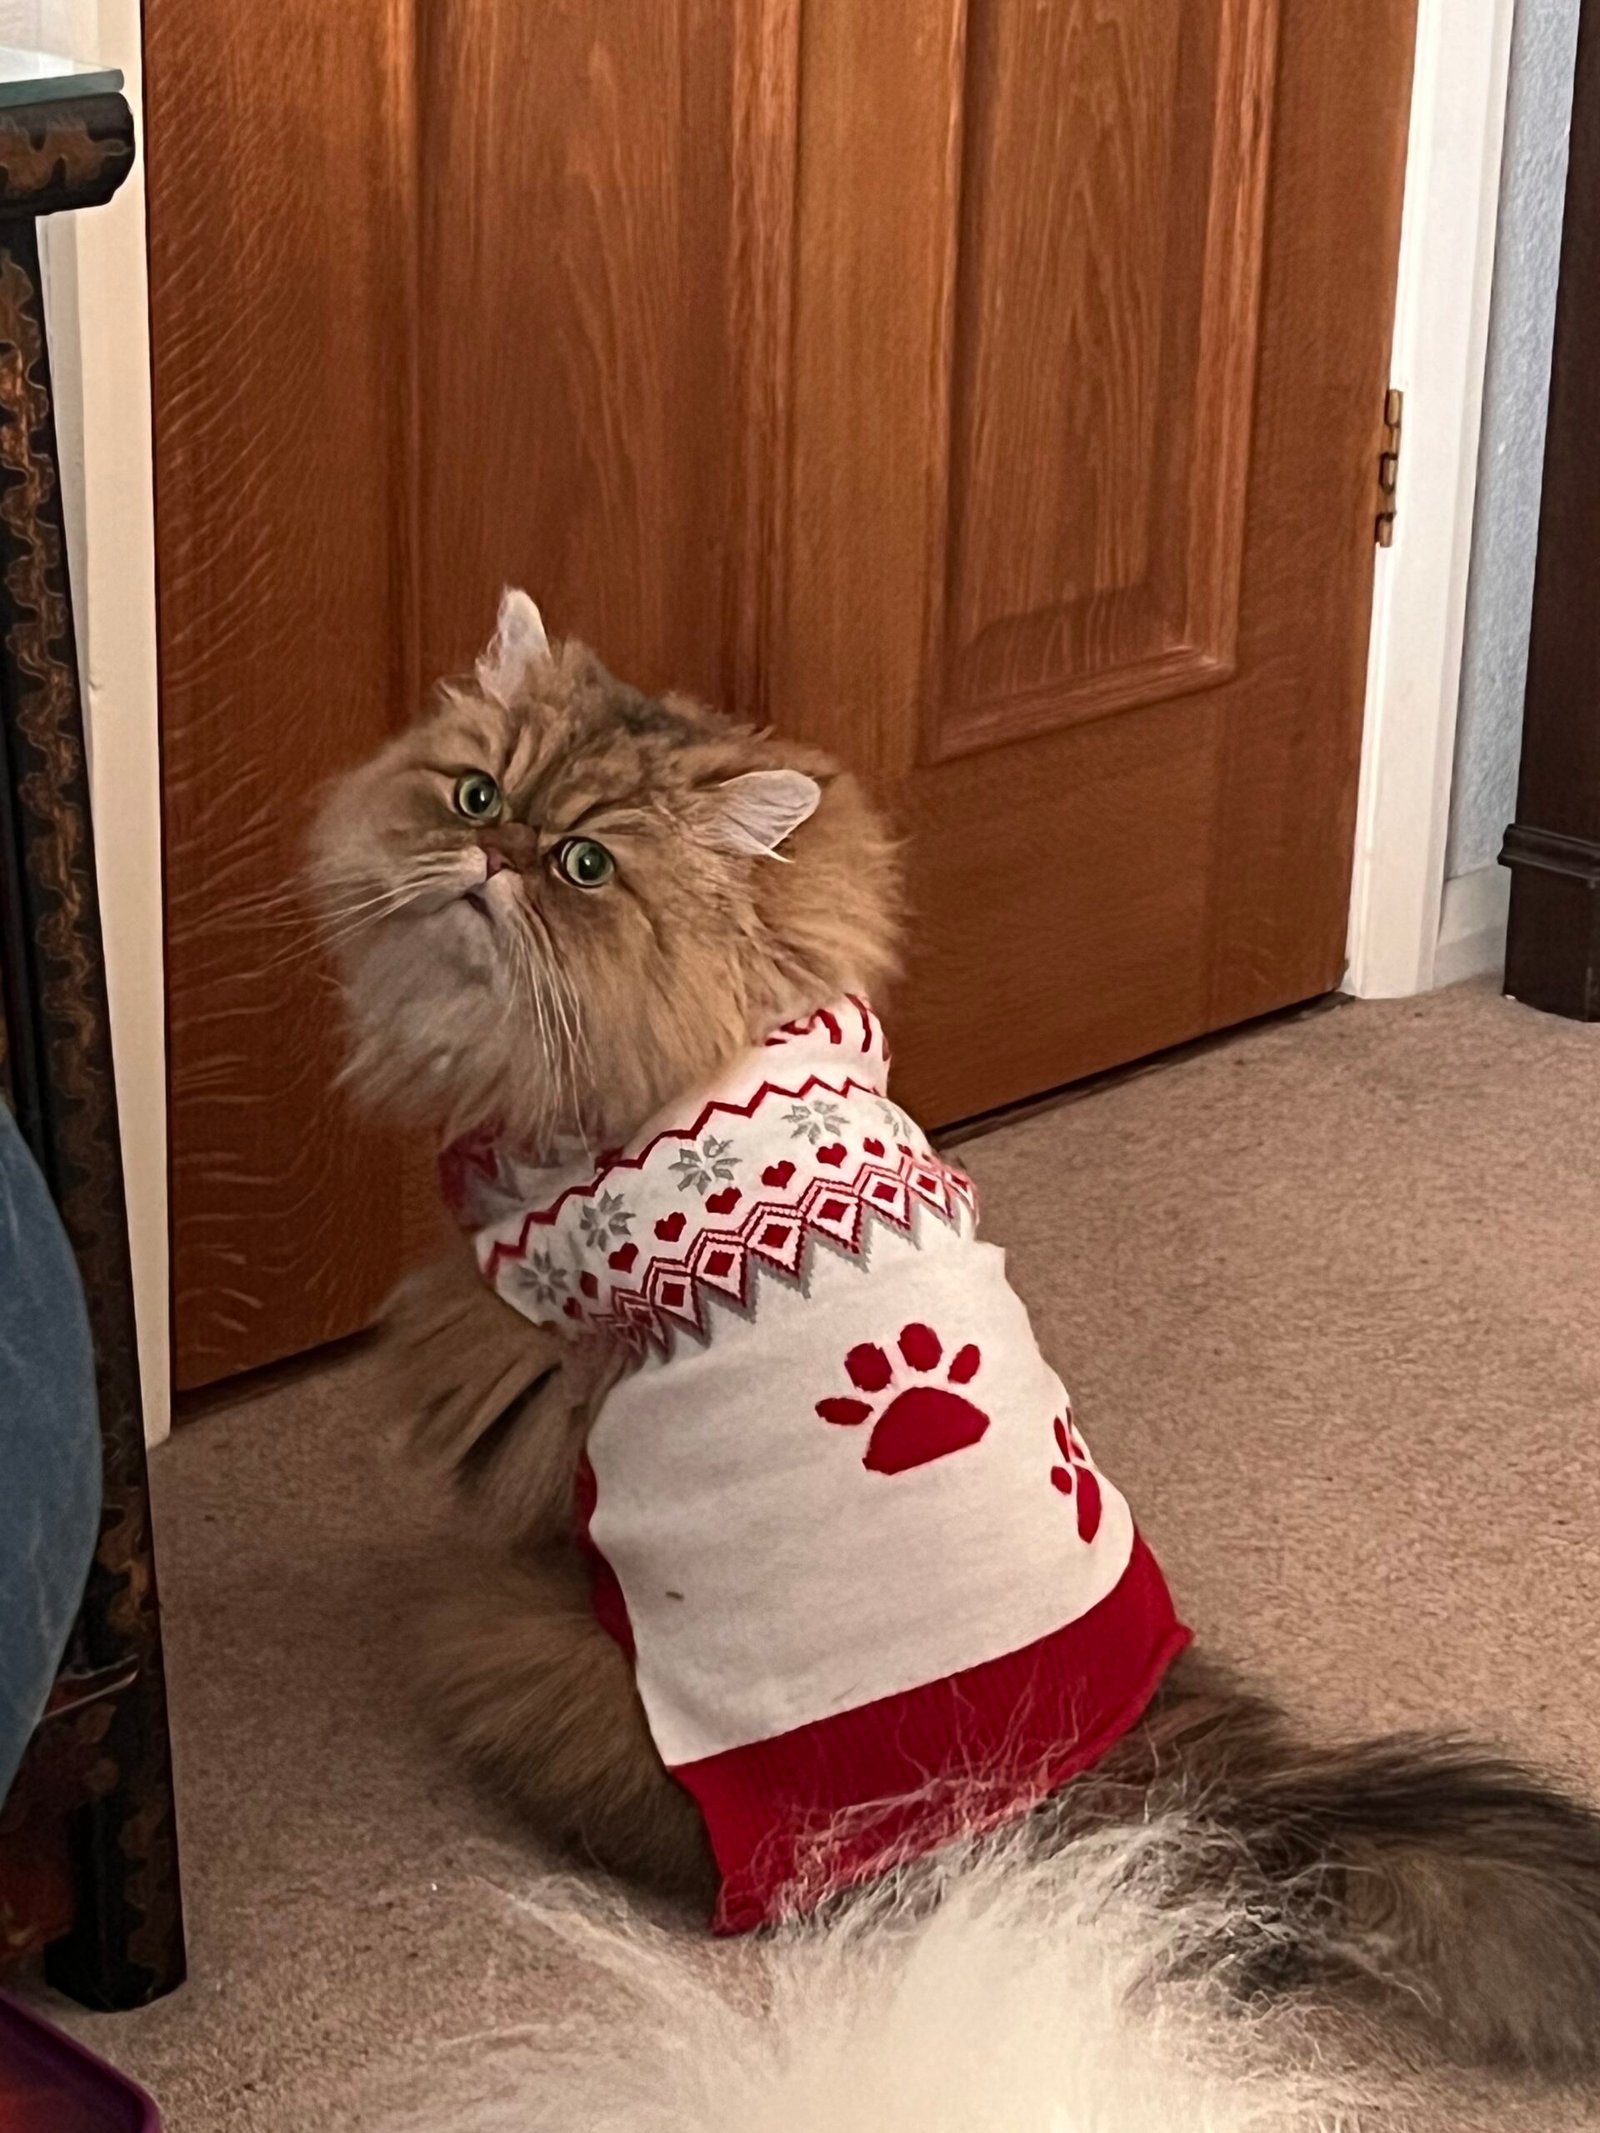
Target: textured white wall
[{"x": 1511, "y": 449}]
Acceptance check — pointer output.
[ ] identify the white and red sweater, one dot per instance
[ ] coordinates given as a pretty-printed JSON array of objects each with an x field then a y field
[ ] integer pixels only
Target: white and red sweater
[{"x": 875, "y": 1588}]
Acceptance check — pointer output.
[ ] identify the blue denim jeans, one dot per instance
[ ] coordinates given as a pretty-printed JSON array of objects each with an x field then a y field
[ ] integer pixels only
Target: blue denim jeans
[{"x": 49, "y": 1445}]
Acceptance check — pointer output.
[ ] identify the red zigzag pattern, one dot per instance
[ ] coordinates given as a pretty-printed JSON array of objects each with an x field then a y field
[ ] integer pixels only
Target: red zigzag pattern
[{"x": 645, "y": 1300}]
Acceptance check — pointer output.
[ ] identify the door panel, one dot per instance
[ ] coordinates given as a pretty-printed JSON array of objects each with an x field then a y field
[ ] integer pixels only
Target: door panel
[
  {"x": 987, "y": 389},
  {"x": 1106, "y": 270},
  {"x": 280, "y": 298}
]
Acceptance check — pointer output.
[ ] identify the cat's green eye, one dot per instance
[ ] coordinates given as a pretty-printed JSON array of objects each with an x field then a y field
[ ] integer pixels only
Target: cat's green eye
[
  {"x": 477, "y": 796},
  {"x": 584, "y": 863}
]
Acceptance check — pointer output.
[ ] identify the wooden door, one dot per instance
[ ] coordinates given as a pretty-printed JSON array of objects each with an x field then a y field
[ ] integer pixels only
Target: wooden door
[{"x": 989, "y": 389}]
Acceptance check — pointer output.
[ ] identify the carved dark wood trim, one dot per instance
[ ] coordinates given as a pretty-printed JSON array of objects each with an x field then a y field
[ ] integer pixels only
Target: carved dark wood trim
[
  {"x": 1553, "y": 847},
  {"x": 126, "y": 1942},
  {"x": 69, "y": 154}
]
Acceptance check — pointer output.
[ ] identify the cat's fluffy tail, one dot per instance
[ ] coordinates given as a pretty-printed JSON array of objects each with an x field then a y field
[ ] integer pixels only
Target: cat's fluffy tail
[
  {"x": 1462, "y": 1889},
  {"x": 1005, "y": 1988},
  {"x": 1123, "y": 1961}
]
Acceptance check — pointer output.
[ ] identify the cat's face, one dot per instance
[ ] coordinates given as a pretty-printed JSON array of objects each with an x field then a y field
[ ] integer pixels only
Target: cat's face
[{"x": 556, "y": 903}]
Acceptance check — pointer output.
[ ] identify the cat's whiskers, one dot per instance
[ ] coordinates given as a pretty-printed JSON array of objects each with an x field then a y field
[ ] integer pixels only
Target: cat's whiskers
[
  {"x": 296, "y": 909},
  {"x": 334, "y": 924},
  {"x": 530, "y": 970},
  {"x": 576, "y": 1050},
  {"x": 297, "y": 903},
  {"x": 558, "y": 1056},
  {"x": 422, "y": 875},
  {"x": 553, "y": 1010},
  {"x": 523, "y": 973}
]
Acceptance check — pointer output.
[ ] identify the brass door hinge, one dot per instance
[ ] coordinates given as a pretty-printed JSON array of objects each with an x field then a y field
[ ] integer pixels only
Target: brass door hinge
[{"x": 1389, "y": 466}]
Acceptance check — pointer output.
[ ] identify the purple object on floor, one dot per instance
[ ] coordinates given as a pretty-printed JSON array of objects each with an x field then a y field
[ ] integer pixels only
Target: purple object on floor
[{"x": 50, "y": 2084}]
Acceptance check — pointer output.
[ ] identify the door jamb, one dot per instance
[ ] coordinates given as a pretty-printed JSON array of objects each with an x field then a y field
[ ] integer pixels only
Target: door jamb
[{"x": 1451, "y": 202}]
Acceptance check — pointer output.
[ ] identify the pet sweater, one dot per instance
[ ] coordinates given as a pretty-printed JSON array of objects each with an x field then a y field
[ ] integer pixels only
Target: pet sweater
[{"x": 876, "y": 1591}]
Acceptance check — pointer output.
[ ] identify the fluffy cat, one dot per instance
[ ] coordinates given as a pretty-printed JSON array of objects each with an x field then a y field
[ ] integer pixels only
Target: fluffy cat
[{"x": 479, "y": 987}]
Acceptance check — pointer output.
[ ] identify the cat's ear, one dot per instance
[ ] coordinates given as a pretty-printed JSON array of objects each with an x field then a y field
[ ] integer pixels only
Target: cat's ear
[
  {"x": 518, "y": 648},
  {"x": 753, "y": 814}
]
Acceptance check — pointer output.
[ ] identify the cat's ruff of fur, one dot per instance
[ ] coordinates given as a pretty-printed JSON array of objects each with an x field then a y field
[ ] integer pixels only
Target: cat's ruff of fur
[{"x": 1033, "y": 1996}]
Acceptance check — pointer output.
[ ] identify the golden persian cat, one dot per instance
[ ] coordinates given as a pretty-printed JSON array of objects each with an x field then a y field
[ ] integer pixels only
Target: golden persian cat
[{"x": 483, "y": 983}]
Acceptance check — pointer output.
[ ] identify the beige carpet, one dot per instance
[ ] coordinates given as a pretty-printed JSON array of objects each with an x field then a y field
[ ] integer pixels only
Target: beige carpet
[{"x": 1327, "y": 1297}]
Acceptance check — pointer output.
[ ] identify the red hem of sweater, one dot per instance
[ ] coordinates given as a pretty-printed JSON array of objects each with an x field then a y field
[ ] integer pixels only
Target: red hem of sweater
[{"x": 796, "y": 1817}]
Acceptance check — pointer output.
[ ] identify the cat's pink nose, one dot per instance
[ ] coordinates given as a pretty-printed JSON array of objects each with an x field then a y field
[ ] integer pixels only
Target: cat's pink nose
[{"x": 493, "y": 861}]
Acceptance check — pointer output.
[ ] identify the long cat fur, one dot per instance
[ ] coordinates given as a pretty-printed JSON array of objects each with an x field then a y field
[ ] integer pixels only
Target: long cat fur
[
  {"x": 1027, "y": 1984},
  {"x": 1463, "y": 1888}
]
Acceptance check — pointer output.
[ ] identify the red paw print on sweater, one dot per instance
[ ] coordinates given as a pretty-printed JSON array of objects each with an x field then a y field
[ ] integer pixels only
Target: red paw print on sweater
[
  {"x": 920, "y": 1422},
  {"x": 1076, "y": 1478}
]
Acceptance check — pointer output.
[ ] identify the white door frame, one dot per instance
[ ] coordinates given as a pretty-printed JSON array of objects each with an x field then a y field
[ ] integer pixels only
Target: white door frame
[{"x": 1452, "y": 187}]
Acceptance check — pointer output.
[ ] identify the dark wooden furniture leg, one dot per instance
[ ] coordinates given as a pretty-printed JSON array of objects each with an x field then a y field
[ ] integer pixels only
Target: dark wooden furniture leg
[
  {"x": 1553, "y": 847},
  {"x": 125, "y": 1945}
]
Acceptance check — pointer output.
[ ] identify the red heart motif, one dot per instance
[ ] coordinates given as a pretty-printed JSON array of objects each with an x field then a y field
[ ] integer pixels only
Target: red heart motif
[
  {"x": 623, "y": 1257},
  {"x": 777, "y": 1174},
  {"x": 589, "y": 1284},
  {"x": 724, "y": 1202},
  {"x": 572, "y": 1307},
  {"x": 873, "y": 1147},
  {"x": 670, "y": 1228},
  {"x": 832, "y": 1155}
]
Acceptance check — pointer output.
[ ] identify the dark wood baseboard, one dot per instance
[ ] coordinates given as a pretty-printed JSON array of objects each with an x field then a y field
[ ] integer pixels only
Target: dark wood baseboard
[{"x": 1553, "y": 943}]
